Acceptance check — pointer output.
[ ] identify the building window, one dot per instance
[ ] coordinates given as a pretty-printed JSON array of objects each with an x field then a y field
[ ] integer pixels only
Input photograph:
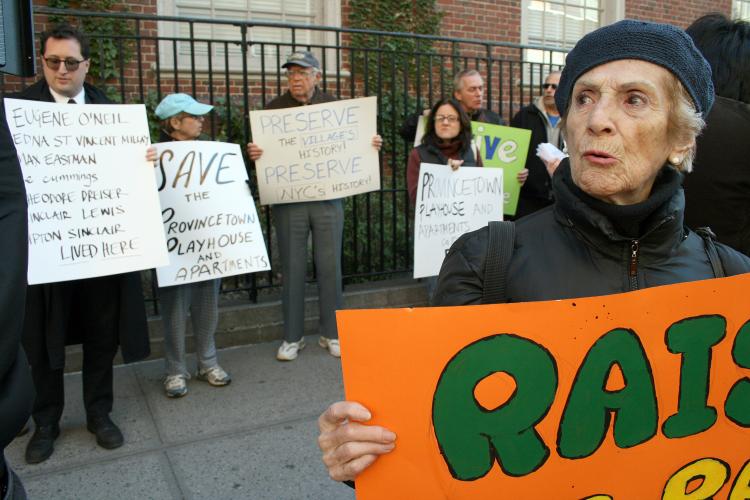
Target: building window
[
  {"x": 741, "y": 9},
  {"x": 559, "y": 24},
  {"x": 270, "y": 44}
]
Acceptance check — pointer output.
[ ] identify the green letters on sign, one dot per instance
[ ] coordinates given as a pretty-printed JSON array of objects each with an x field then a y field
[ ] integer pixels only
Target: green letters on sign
[
  {"x": 472, "y": 437},
  {"x": 737, "y": 405},
  {"x": 693, "y": 338},
  {"x": 588, "y": 410}
]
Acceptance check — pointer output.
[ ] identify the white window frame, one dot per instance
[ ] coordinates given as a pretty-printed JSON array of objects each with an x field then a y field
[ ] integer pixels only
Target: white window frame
[
  {"x": 741, "y": 9},
  {"x": 325, "y": 13},
  {"x": 610, "y": 11}
]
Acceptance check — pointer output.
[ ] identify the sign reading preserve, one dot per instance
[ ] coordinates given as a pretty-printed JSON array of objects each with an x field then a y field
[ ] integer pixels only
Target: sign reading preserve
[
  {"x": 642, "y": 395},
  {"x": 317, "y": 152},
  {"x": 93, "y": 209},
  {"x": 209, "y": 215}
]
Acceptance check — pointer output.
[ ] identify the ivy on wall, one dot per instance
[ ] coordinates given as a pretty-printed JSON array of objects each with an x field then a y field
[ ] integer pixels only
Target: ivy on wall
[{"x": 388, "y": 65}]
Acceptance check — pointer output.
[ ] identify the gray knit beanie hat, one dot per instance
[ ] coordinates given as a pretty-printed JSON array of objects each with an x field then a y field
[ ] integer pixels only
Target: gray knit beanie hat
[{"x": 662, "y": 44}]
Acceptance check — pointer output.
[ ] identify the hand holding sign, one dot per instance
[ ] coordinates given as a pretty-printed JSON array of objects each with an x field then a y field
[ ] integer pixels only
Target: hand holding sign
[
  {"x": 554, "y": 399},
  {"x": 349, "y": 447}
]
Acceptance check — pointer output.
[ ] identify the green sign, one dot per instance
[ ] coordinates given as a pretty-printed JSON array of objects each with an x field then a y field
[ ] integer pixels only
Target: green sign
[{"x": 506, "y": 148}]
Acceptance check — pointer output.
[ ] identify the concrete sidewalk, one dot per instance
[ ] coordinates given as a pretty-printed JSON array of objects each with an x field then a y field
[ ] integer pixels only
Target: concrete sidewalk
[{"x": 254, "y": 439}]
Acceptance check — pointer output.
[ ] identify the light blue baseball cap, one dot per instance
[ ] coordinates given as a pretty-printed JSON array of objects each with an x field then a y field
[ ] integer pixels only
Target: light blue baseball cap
[{"x": 180, "y": 103}]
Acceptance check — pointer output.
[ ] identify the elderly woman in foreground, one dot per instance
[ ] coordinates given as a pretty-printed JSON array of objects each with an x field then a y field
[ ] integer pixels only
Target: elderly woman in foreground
[{"x": 633, "y": 96}]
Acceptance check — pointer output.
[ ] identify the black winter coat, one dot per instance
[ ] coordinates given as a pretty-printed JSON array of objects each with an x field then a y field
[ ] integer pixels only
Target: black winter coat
[
  {"x": 16, "y": 388},
  {"x": 717, "y": 191},
  {"x": 537, "y": 190},
  {"x": 569, "y": 250},
  {"x": 43, "y": 324}
]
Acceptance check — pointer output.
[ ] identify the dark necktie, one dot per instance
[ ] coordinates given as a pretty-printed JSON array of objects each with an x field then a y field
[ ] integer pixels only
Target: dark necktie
[{"x": 72, "y": 101}]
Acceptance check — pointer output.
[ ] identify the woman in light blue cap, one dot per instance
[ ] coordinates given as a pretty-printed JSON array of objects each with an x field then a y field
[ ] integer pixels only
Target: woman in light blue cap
[{"x": 182, "y": 120}]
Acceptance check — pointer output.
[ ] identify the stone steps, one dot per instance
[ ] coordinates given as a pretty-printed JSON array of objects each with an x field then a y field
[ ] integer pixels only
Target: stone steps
[{"x": 243, "y": 324}]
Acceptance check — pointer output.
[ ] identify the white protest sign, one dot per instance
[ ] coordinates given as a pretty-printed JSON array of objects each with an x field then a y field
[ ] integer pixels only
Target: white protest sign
[
  {"x": 449, "y": 204},
  {"x": 317, "y": 152},
  {"x": 209, "y": 214},
  {"x": 92, "y": 202}
]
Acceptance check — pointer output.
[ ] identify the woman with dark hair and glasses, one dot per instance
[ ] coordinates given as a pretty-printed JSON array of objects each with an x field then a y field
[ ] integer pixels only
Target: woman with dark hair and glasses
[
  {"x": 447, "y": 140},
  {"x": 182, "y": 120}
]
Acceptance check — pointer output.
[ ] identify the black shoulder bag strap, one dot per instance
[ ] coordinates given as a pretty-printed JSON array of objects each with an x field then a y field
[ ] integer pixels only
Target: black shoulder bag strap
[
  {"x": 713, "y": 256},
  {"x": 502, "y": 237}
]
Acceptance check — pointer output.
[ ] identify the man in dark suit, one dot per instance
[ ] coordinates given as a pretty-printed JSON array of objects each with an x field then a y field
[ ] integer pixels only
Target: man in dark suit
[{"x": 100, "y": 313}]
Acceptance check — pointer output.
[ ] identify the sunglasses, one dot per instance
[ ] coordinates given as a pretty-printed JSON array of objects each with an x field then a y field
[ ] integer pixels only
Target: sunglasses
[
  {"x": 545, "y": 86},
  {"x": 71, "y": 64}
]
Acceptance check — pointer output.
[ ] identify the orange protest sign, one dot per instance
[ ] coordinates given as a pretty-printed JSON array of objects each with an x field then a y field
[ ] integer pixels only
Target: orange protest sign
[{"x": 637, "y": 395}]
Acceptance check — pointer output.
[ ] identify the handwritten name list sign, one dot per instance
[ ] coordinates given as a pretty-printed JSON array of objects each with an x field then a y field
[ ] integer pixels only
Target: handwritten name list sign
[
  {"x": 317, "y": 152},
  {"x": 92, "y": 204},
  {"x": 449, "y": 204},
  {"x": 208, "y": 211}
]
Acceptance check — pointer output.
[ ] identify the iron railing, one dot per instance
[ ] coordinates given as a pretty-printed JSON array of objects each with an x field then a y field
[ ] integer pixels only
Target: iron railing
[{"x": 236, "y": 66}]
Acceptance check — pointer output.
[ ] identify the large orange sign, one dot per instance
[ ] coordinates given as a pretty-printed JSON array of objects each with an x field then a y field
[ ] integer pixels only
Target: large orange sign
[{"x": 643, "y": 395}]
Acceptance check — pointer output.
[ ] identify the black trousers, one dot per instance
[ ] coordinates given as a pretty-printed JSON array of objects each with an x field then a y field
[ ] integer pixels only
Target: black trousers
[{"x": 93, "y": 310}]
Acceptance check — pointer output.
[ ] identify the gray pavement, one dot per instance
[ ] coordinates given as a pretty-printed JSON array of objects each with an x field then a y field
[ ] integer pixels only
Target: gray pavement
[{"x": 254, "y": 439}]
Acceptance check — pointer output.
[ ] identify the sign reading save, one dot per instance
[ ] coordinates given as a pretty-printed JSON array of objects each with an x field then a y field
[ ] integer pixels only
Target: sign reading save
[{"x": 638, "y": 395}]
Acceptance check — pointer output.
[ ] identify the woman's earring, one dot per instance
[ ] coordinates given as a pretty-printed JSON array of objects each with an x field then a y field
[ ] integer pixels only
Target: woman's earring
[{"x": 675, "y": 160}]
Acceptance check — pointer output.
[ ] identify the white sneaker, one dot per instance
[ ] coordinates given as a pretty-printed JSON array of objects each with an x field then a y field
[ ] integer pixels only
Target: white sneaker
[
  {"x": 331, "y": 344},
  {"x": 175, "y": 386},
  {"x": 215, "y": 376},
  {"x": 288, "y": 350}
]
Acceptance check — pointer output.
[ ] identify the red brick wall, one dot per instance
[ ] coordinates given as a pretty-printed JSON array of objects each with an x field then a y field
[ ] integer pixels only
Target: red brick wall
[
  {"x": 497, "y": 21},
  {"x": 486, "y": 20},
  {"x": 679, "y": 12}
]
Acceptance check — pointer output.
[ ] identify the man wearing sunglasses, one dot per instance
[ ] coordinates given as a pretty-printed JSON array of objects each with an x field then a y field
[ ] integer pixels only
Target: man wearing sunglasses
[
  {"x": 543, "y": 119},
  {"x": 99, "y": 313}
]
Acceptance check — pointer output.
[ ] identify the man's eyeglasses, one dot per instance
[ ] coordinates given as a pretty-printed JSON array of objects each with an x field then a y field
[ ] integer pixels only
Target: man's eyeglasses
[
  {"x": 545, "y": 86},
  {"x": 71, "y": 64},
  {"x": 290, "y": 73},
  {"x": 446, "y": 118}
]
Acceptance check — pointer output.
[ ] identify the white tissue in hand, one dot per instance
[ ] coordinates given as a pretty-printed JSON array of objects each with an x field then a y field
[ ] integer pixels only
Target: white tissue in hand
[{"x": 548, "y": 152}]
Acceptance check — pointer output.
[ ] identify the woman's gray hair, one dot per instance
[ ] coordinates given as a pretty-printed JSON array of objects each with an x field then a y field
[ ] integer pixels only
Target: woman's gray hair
[{"x": 684, "y": 123}]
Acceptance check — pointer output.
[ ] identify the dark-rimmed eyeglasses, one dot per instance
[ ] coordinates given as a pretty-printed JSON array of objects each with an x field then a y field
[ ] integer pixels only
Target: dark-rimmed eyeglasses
[
  {"x": 545, "y": 86},
  {"x": 446, "y": 118},
  {"x": 71, "y": 63}
]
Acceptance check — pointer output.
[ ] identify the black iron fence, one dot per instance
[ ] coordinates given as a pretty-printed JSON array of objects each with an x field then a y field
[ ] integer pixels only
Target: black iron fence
[{"x": 236, "y": 66}]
